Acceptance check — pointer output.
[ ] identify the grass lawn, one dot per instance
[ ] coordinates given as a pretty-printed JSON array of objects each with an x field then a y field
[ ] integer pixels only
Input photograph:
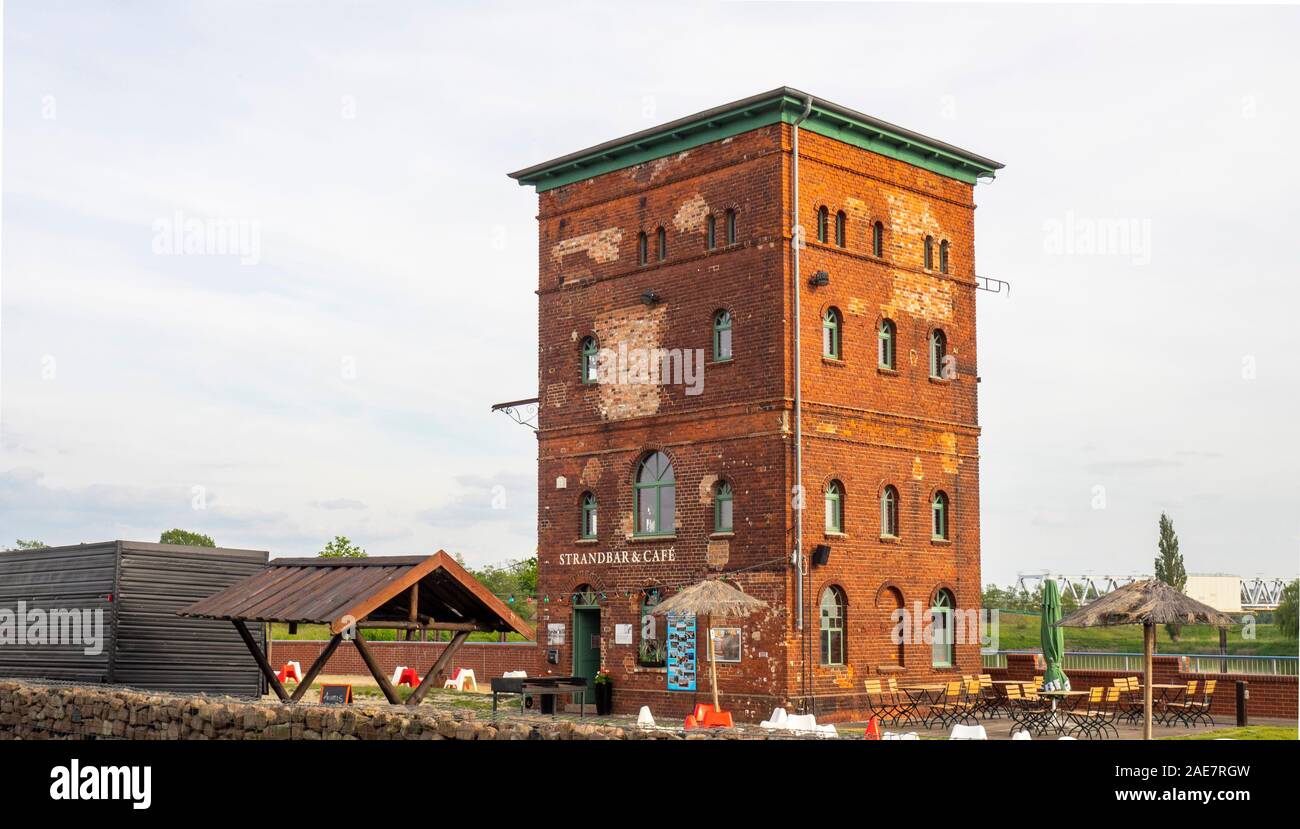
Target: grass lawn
[
  {"x": 279, "y": 630},
  {"x": 365, "y": 690},
  {"x": 1019, "y": 631},
  {"x": 1252, "y": 732}
]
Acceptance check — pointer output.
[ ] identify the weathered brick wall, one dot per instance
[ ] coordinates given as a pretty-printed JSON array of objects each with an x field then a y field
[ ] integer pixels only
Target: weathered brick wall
[
  {"x": 862, "y": 426},
  {"x": 1270, "y": 696},
  {"x": 486, "y": 659}
]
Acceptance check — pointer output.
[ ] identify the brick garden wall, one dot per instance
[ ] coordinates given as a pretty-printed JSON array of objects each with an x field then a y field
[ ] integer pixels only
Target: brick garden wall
[
  {"x": 486, "y": 659},
  {"x": 1270, "y": 696}
]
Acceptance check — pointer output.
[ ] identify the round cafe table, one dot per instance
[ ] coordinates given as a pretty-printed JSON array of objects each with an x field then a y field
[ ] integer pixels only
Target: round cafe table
[{"x": 1055, "y": 720}]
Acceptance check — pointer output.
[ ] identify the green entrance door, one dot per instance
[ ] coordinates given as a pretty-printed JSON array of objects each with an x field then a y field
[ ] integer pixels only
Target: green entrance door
[{"x": 586, "y": 645}]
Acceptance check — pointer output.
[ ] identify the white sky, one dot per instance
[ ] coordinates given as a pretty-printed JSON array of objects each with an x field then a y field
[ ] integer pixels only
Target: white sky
[{"x": 368, "y": 144}]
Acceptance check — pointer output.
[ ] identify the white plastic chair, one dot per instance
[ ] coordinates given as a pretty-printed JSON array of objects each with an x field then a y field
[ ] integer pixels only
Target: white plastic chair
[
  {"x": 397, "y": 674},
  {"x": 1021, "y": 735},
  {"x": 968, "y": 732},
  {"x": 515, "y": 675},
  {"x": 777, "y": 720},
  {"x": 458, "y": 679}
]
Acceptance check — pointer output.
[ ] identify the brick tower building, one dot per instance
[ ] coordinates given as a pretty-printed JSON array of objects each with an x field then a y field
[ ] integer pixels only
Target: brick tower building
[{"x": 689, "y": 346}]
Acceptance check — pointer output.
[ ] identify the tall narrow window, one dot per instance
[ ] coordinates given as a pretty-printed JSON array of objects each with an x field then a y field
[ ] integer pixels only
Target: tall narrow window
[
  {"x": 832, "y": 626},
  {"x": 590, "y": 360},
  {"x": 939, "y": 511},
  {"x": 722, "y": 507},
  {"x": 589, "y": 528},
  {"x": 656, "y": 493},
  {"x": 841, "y": 229},
  {"x": 823, "y": 221},
  {"x": 834, "y": 507},
  {"x": 929, "y": 253},
  {"x": 654, "y": 631},
  {"x": 831, "y": 334},
  {"x": 731, "y": 227},
  {"x": 886, "y": 355},
  {"x": 661, "y": 238},
  {"x": 942, "y": 622},
  {"x": 938, "y": 350},
  {"x": 722, "y": 336},
  {"x": 710, "y": 232},
  {"x": 943, "y": 256},
  {"x": 878, "y": 239},
  {"x": 642, "y": 248},
  {"x": 889, "y": 512}
]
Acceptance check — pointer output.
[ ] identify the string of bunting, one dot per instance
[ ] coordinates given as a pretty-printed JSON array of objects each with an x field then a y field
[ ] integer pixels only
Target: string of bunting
[{"x": 511, "y": 598}]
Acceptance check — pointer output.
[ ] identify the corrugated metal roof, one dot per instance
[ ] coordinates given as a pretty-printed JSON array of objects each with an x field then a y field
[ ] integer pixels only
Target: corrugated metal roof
[{"x": 333, "y": 590}]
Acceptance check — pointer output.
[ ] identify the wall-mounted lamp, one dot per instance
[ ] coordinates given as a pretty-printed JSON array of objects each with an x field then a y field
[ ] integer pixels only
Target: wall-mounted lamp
[
  {"x": 649, "y": 297},
  {"x": 819, "y": 279},
  {"x": 821, "y": 554}
]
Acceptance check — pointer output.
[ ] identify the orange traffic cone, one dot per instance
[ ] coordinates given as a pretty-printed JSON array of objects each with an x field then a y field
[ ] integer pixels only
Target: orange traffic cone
[{"x": 873, "y": 730}]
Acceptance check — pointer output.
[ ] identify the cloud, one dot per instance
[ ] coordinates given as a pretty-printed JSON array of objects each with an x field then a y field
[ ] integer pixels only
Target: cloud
[{"x": 339, "y": 503}]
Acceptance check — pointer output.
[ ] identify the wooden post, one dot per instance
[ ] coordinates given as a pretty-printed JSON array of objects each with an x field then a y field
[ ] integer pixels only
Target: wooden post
[
  {"x": 713, "y": 667},
  {"x": 390, "y": 693},
  {"x": 414, "y": 615},
  {"x": 1223, "y": 648},
  {"x": 251, "y": 644},
  {"x": 1148, "y": 649},
  {"x": 431, "y": 676},
  {"x": 316, "y": 667}
]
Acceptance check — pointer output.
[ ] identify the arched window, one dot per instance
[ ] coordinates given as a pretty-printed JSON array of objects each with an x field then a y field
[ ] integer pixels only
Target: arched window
[
  {"x": 653, "y": 648},
  {"x": 721, "y": 335},
  {"x": 589, "y": 528},
  {"x": 656, "y": 494},
  {"x": 722, "y": 507},
  {"x": 941, "y": 517},
  {"x": 590, "y": 360},
  {"x": 661, "y": 238},
  {"x": 731, "y": 227},
  {"x": 890, "y": 603},
  {"x": 834, "y": 507},
  {"x": 823, "y": 221},
  {"x": 886, "y": 350},
  {"x": 929, "y": 253},
  {"x": 584, "y": 595},
  {"x": 642, "y": 249},
  {"x": 943, "y": 256},
  {"x": 889, "y": 512},
  {"x": 831, "y": 334},
  {"x": 710, "y": 232},
  {"x": 832, "y": 626},
  {"x": 942, "y": 621},
  {"x": 938, "y": 350},
  {"x": 878, "y": 239},
  {"x": 841, "y": 229}
]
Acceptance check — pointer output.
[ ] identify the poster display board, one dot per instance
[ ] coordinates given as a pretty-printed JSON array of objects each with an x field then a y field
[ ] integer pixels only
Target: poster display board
[{"x": 681, "y": 652}]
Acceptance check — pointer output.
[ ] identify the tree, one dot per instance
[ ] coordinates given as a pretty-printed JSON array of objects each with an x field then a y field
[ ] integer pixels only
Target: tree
[
  {"x": 1286, "y": 618},
  {"x": 22, "y": 544},
  {"x": 179, "y": 536},
  {"x": 515, "y": 583},
  {"x": 1169, "y": 566},
  {"x": 342, "y": 547}
]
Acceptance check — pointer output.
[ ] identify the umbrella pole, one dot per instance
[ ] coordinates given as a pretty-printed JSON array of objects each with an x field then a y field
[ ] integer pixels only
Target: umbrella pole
[
  {"x": 713, "y": 671},
  {"x": 1148, "y": 647}
]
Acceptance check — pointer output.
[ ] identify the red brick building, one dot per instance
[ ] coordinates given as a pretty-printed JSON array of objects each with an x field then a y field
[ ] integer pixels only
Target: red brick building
[{"x": 681, "y": 240}]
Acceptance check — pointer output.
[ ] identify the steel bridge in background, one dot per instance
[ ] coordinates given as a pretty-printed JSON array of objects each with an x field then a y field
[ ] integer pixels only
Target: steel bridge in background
[{"x": 1257, "y": 593}]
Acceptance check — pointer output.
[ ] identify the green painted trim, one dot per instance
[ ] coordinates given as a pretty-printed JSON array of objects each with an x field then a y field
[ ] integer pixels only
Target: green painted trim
[{"x": 752, "y": 114}]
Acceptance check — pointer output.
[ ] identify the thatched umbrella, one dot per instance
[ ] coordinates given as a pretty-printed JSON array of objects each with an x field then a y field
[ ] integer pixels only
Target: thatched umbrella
[
  {"x": 711, "y": 598},
  {"x": 1147, "y": 603}
]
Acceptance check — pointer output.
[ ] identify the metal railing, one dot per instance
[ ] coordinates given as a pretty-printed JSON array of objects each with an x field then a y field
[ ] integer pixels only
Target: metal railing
[{"x": 1199, "y": 663}]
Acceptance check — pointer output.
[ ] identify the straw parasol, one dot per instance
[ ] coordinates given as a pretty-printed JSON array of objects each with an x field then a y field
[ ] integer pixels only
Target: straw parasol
[
  {"x": 1147, "y": 603},
  {"x": 715, "y": 599}
]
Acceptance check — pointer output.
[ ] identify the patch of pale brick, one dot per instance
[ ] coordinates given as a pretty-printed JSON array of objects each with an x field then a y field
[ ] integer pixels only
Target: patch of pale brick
[
  {"x": 600, "y": 245},
  {"x": 690, "y": 215}
]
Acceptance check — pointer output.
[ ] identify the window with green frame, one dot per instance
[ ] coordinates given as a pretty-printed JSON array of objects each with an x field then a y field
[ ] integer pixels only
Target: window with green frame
[
  {"x": 834, "y": 507},
  {"x": 832, "y": 626},
  {"x": 710, "y": 232},
  {"x": 590, "y": 360},
  {"x": 929, "y": 253},
  {"x": 722, "y": 502},
  {"x": 721, "y": 335},
  {"x": 886, "y": 337},
  {"x": 889, "y": 512},
  {"x": 731, "y": 227},
  {"x": 943, "y": 256},
  {"x": 841, "y": 229},
  {"x": 589, "y": 527},
  {"x": 823, "y": 223},
  {"x": 643, "y": 249},
  {"x": 661, "y": 239},
  {"x": 938, "y": 350},
  {"x": 878, "y": 239},
  {"x": 941, "y": 619},
  {"x": 939, "y": 511},
  {"x": 831, "y": 334},
  {"x": 656, "y": 493}
]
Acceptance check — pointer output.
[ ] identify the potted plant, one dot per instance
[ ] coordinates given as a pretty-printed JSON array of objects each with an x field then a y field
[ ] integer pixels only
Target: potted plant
[{"x": 604, "y": 693}]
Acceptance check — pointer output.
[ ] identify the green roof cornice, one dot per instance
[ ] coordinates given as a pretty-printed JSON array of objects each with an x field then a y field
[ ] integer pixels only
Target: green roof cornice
[{"x": 780, "y": 105}]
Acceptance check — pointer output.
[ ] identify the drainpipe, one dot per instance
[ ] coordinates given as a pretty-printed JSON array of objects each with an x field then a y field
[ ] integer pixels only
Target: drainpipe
[{"x": 796, "y": 242}]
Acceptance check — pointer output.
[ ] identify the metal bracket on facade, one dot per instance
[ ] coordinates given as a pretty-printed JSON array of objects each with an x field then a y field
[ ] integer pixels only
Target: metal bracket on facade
[
  {"x": 523, "y": 412},
  {"x": 993, "y": 286}
]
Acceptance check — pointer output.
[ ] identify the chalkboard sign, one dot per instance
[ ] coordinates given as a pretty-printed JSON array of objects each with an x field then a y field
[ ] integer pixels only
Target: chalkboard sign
[{"x": 336, "y": 694}]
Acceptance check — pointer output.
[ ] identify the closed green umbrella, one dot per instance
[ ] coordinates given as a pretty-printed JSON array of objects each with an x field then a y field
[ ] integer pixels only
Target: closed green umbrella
[{"x": 1052, "y": 638}]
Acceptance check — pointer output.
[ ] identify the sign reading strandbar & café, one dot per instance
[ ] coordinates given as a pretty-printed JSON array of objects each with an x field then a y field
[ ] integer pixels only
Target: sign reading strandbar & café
[{"x": 661, "y": 555}]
